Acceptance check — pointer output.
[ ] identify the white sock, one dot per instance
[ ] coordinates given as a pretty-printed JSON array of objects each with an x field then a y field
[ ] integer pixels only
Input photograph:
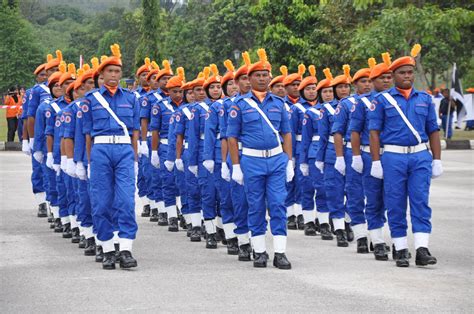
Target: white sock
[
  {"x": 290, "y": 211},
  {"x": 126, "y": 244},
  {"x": 338, "y": 223},
  {"x": 279, "y": 244},
  {"x": 178, "y": 202},
  {"x": 40, "y": 198},
  {"x": 116, "y": 237},
  {"x": 55, "y": 211},
  {"x": 210, "y": 226},
  {"x": 195, "y": 219},
  {"x": 72, "y": 219},
  {"x": 87, "y": 232},
  {"x": 65, "y": 220},
  {"x": 376, "y": 235},
  {"x": 219, "y": 222},
  {"x": 145, "y": 201},
  {"x": 360, "y": 231},
  {"x": 171, "y": 210},
  {"x": 347, "y": 218},
  {"x": 422, "y": 239},
  {"x": 309, "y": 215},
  {"x": 298, "y": 209},
  {"x": 229, "y": 230},
  {"x": 323, "y": 218},
  {"x": 161, "y": 206},
  {"x": 243, "y": 239},
  {"x": 258, "y": 243},
  {"x": 400, "y": 243}
]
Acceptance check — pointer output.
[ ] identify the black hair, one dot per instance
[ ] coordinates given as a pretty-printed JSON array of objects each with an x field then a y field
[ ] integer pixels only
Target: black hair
[
  {"x": 185, "y": 93},
  {"x": 224, "y": 88},
  {"x": 50, "y": 86},
  {"x": 71, "y": 94},
  {"x": 96, "y": 81},
  {"x": 207, "y": 93}
]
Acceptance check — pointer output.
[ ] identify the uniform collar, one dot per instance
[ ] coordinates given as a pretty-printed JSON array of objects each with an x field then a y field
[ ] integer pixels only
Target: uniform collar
[
  {"x": 251, "y": 95},
  {"x": 394, "y": 91},
  {"x": 104, "y": 89}
]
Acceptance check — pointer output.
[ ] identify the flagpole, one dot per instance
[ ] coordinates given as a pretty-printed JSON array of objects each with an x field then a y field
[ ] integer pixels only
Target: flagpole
[{"x": 449, "y": 105}]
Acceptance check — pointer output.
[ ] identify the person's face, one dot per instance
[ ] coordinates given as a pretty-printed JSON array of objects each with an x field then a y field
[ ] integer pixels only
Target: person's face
[
  {"x": 343, "y": 90},
  {"x": 42, "y": 76},
  {"x": 215, "y": 91},
  {"x": 244, "y": 84},
  {"x": 112, "y": 75},
  {"x": 292, "y": 89},
  {"x": 57, "y": 90},
  {"x": 232, "y": 88},
  {"x": 310, "y": 92},
  {"x": 100, "y": 80},
  {"x": 65, "y": 85},
  {"x": 279, "y": 90},
  {"x": 199, "y": 93},
  {"x": 259, "y": 80},
  {"x": 142, "y": 79},
  {"x": 51, "y": 71},
  {"x": 404, "y": 77},
  {"x": 163, "y": 81},
  {"x": 75, "y": 94},
  {"x": 363, "y": 85},
  {"x": 190, "y": 96},
  {"x": 88, "y": 84},
  {"x": 81, "y": 91},
  {"x": 327, "y": 94},
  {"x": 445, "y": 93},
  {"x": 154, "y": 84},
  {"x": 176, "y": 94},
  {"x": 382, "y": 82}
]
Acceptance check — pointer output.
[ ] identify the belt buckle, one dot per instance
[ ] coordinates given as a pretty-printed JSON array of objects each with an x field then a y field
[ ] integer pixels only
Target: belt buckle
[
  {"x": 113, "y": 139},
  {"x": 410, "y": 149},
  {"x": 267, "y": 153}
]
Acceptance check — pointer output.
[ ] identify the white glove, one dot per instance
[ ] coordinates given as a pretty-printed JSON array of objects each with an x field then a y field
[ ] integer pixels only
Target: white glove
[
  {"x": 38, "y": 156},
  {"x": 193, "y": 170},
  {"x": 437, "y": 168},
  {"x": 155, "y": 159},
  {"x": 304, "y": 168},
  {"x": 376, "y": 171},
  {"x": 209, "y": 165},
  {"x": 144, "y": 149},
  {"x": 169, "y": 165},
  {"x": 357, "y": 163},
  {"x": 49, "y": 160},
  {"x": 294, "y": 162},
  {"x": 225, "y": 172},
  {"x": 290, "y": 170},
  {"x": 319, "y": 165},
  {"x": 340, "y": 165},
  {"x": 63, "y": 163},
  {"x": 81, "y": 171},
  {"x": 71, "y": 167},
  {"x": 135, "y": 168},
  {"x": 25, "y": 147},
  {"x": 179, "y": 164},
  {"x": 32, "y": 142},
  {"x": 237, "y": 174},
  {"x": 89, "y": 172}
]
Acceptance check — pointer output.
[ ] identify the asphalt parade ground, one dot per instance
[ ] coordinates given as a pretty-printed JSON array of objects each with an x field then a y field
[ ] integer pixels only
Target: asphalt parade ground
[{"x": 42, "y": 272}]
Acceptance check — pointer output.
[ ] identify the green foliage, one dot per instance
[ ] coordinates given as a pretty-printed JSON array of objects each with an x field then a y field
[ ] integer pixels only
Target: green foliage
[{"x": 150, "y": 28}]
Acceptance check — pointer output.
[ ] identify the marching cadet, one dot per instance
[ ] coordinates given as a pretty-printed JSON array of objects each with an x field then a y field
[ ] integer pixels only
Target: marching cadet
[
  {"x": 112, "y": 123},
  {"x": 257, "y": 119},
  {"x": 293, "y": 201},
  {"x": 381, "y": 78},
  {"x": 38, "y": 94},
  {"x": 403, "y": 120},
  {"x": 309, "y": 152},
  {"x": 353, "y": 180},
  {"x": 161, "y": 114},
  {"x": 276, "y": 84},
  {"x": 238, "y": 196}
]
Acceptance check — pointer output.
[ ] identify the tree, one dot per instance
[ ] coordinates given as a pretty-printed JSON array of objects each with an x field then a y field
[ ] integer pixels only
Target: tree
[{"x": 150, "y": 28}]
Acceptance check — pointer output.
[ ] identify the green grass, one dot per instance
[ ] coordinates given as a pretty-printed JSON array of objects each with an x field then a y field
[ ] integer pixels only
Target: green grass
[{"x": 462, "y": 135}]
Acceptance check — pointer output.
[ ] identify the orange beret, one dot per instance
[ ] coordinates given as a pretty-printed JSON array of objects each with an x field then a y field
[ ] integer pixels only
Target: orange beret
[
  {"x": 243, "y": 70},
  {"x": 364, "y": 72},
  {"x": 327, "y": 81},
  {"x": 151, "y": 73},
  {"x": 186, "y": 86},
  {"x": 470, "y": 90},
  {"x": 70, "y": 87},
  {"x": 311, "y": 79},
  {"x": 230, "y": 72},
  {"x": 39, "y": 68},
  {"x": 112, "y": 60},
  {"x": 69, "y": 75},
  {"x": 289, "y": 79},
  {"x": 165, "y": 71},
  {"x": 406, "y": 60},
  {"x": 262, "y": 64},
  {"x": 54, "y": 62},
  {"x": 54, "y": 77},
  {"x": 344, "y": 78},
  {"x": 144, "y": 68},
  {"x": 178, "y": 80},
  {"x": 214, "y": 78}
]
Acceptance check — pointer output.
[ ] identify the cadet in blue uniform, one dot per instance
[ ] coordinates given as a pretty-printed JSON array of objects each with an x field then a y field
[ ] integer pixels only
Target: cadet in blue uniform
[
  {"x": 381, "y": 77},
  {"x": 403, "y": 119},
  {"x": 112, "y": 123},
  {"x": 353, "y": 180},
  {"x": 257, "y": 119}
]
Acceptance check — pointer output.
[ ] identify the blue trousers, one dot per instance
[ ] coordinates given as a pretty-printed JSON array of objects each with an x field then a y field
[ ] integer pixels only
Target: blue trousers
[
  {"x": 334, "y": 183},
  {"x": 239, "y": 204},
  {"x": 192, "y": 187},
  {"x": 181, "y": 186},
  {"x": 264, "y": 182},
  {"x": 317, "y": 179},
  {"x": 373, "y": 191},
  {"x": 209, "y": 199},
  {"x": 71, "y": 194},
  {"x": 112, "y": 186},
  {"x": 84, "y": 213},
  {"x": 50, "y": 185},
  {"x": 168, "y": 186},
  {"x": 407, "y": 176},
  {"x": 223, "y": 191},
  {"x": 355, "y": 204},
  {"x": 62, "y": 194},
  {"x": 37, "y": 176},
  {"x": 447, "y": 125},
  {"x": 306, "y": 188}
]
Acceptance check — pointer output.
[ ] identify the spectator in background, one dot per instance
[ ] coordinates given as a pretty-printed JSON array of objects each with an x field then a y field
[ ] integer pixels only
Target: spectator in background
[
  {"x": 13, "y": 101},
  {"x": 444, "y": 111},
  {"x": 20, "y": 111}
]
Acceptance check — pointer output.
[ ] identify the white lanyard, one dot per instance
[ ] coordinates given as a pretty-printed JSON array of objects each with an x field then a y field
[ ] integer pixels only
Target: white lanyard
[
  {"x": 300, "y": 107},
  {"x": 45, "y": 88},
  {"x": 168, "y": 106},
  {"x": 392, "y": 101},
  {"x": 106, "y": 105},
  {"x": 55, "y": 106},
  {"x": 329, "y": 108},
  {"x": 316, "y": 111},
  {"x": 366, "y": 102},
  {"x": 187, "y": 113},
  {"x": 254, "y": 105},
  {"x": 204, "y": 106},
  {"x": 158, "y": 96}
]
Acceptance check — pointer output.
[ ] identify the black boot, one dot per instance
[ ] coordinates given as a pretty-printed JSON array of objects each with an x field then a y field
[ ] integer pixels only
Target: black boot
[
  {"x": 109, "y": 260},
  {"x": 245, "y": 250},
  {"x": 127, "y": 260},
  {"x": 292, "y": 222},
  {"x": 424, "y": 258},
  {"x": 146, "y": 211},
  {"x": 182, "y": 222},
  {"x": 173, "y": 225},
  {"x": 402, "y": 258},
  {"x": 300, "y": 222},
  {"x": 260, "y": 260},
  {"x": 154, "y": 215},
  {"x": 349, "y": 232},
  {"x": 58, "y": 226},
  {"x": 232, "y": 246},
  {"x": 362, "y": 246},
  {"x": 42, "y": 210},
  {"x": 189, "y": 230},
  {"x": 333, "y": 231},
  {"x": 394, "y": 252},
  {"x": 325, "y": 232},
  {"x": 82, "y": 242},
  {"x": 211, "y": 242},
  {"x": 281, "y": 261},
  {"x": 220, "y": 232},
  {"x": 162, "y": 219},
  {"x": 117, "y": 252},
  {"x": 90, "y": 247},
  {"x": 309, "y": 229},
  {"x": 99, "y": 254},
  {"x": 195, "y": 235},
  {"x": 53, "y": 224},
  {"x": 380, "y": 253},
  {"x": 317, "y": 226},
  {"x": 76, "y": 236},
  {"x": 67, "y": 233},
  {"x": 341, "y": 238},
  {"x": 50, "y": 218}
]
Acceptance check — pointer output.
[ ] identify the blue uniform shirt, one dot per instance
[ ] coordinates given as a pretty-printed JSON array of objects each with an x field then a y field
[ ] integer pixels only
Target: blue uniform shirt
[
  {"x": 310, "y": 124},
  {"x": 58, "y": 120},
  {"x": 342, "y": 117},
  {"x": 359, "y": 118},
  {"x": 38, "y": 94},
  {"x": 324, "y": 128},
  {"x": 213, "y": 131},
  {"x": 25, "y": 101},
  {"x": 147, "y": 101},
  {"x": 42, "y": 114},
  {"x": 296, "y": 120},
  {"x": 161, "y": 113},
  {"x": 419, "y": 110},
  {"x": 196, "y": 131}
]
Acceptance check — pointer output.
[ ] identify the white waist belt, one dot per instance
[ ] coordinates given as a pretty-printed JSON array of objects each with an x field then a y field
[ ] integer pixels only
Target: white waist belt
[
  {"x": 263, "y": 153},
  {"x": 164, "y": 141},
  {"x": 148, "y": 134},
  {"x": 112, "y": 139},
  {"x": 366, "y": 149},
  {"x": 331, "y": 139},
  {"x": 185, "y": 144},
  {"x": 298, "y": 137},
  {"x": 315, "y": 138},
  {"x": 405, "y": 149}
]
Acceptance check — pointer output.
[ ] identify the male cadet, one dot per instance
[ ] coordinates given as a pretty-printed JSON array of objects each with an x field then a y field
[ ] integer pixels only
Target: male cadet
[
  {"x": 161, "y": 115},
  {"x": 293, "y": 200},
  {"x": 276, "y": 84},
  {"x": 257, "y": 119},
  {"x": 39, "y": 93},
  {"x": 403, "y": 119},
  {"x": 381, "y": 78},
  {"x": 142, "y": 89},
  {"x": 353, "y": 183},
  {"x": 111, "y": 122}
]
